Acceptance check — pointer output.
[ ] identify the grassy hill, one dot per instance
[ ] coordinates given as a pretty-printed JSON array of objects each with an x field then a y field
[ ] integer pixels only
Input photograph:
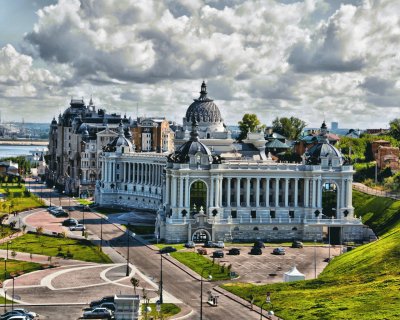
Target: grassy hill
[{"x": 361, "y": 284}]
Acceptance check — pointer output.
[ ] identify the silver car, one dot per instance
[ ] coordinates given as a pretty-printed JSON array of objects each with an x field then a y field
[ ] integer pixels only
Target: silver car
[{"x": 78, "y": 227}]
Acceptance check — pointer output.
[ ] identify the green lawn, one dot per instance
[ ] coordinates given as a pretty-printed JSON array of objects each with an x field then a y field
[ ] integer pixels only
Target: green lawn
[
  {"x": 16, "y": 267},
  {"x": 53, "y": 246},
  {"x": 198, "y": 263},
  {"x": 85, "y": 202},
  {"x": 167, "y": 310},
  {"x": 141, "y": 229},
  {"x": 361, "y": 284},
  {"x": 178, "y": 246},
  {"x": 18, "y": 199},
  {"x": 6, "y": 231}
]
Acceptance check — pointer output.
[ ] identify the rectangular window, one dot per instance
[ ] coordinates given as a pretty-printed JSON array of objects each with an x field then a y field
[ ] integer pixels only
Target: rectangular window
[
  {"x": 234, "y": 214},
  {"x": 253, "y": 214},
  {"x": 272, "y": 214},
  {"x": 291, "y": 214}
]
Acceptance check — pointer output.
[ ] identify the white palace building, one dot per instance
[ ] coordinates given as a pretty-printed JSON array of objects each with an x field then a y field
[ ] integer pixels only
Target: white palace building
[{"x": 212, "y": 188}]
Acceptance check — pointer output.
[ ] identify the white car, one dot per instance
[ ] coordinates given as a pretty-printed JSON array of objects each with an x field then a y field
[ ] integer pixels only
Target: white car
[
  {"x": 78, "y": 227},
  {"x": 31, "y": 313},
  {"x": 97, "y": 313},
  {"x": 19, "y": 318},
  {"x": 220, "y": 244}
]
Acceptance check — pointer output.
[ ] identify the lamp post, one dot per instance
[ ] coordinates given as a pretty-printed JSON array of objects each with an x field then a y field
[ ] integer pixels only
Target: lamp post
[
  {"x": 158, "y": 308},
  {"x": 315, "y": 258},
  {"x": 12, "y": 300},
  {"x": 127, "y": 258},
  {"x": 101, "y": 232},
  {"x": 5, "y": 261},
  {"x": 267, "y": 300},
  {"x": 83, "y": 220},
  {"x": 201, "y": 292},
  {"x": 161, "y": 278}
]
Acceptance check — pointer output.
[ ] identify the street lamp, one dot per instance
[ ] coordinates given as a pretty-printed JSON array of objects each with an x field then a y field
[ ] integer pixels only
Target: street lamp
[
  {"x": 158, "y": 308},
  {"x": 161, "y": 278},
  {"x": 83, "y": 219},
  {"x": 201, "y": 292},
  {"x": 315, "y": 258},
  {"x": 267, "y": 300},
  {"x": 5, "y": 261},
  {"x": 127, "y": 258},
  {"x": 101, "y": 229}
]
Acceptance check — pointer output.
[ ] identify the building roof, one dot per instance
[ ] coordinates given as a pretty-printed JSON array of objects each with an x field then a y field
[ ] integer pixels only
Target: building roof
[
  {"x": 203, "y": 109},
  {"x": 119, "y": 141},
  {"x": 322, "y": 149},
  {"x": 276, "y": 144}
]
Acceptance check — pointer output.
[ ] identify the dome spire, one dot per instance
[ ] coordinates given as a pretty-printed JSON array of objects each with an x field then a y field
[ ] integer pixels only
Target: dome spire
[{"x": 203, "y": 91}]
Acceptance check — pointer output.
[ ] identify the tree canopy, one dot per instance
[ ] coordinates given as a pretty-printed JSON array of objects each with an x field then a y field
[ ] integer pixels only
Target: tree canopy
[
  {"x": 291, "y": 127},
  {"x": 249, "y": 123},
  {"x": 394, "y": 130}
]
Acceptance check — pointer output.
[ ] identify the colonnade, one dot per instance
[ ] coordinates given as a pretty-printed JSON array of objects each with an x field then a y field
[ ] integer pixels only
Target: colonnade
[
  {"x": 133, "y": 172},
  {"x": 256, "y": 192}
]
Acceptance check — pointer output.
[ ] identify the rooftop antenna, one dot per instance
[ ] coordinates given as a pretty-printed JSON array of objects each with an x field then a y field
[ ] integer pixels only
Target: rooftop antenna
[{"x": 137, "y": 110}]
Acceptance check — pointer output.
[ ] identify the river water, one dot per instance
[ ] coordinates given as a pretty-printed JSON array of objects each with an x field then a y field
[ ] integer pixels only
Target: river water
[{"x": 18, "y": 150}]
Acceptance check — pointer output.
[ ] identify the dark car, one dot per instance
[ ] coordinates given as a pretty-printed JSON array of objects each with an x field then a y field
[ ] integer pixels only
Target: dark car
[
  {"x": 60, "y": 213},
  {"x": 279, "y": 251},
  {"x": 209, "y": 244},
  {"x": 167, "y": 249},
  {"x": 102, "y": 300},
  {"x": 98, "y": 313},
  {"x": 256, "y": 251},
  {"x": 70, "y": 222},
  {"x": 297, "y": 244},
  {"x": 190, "y": 244},
  {"x": 259, "y": 244},
  {"x": 234, "y": 251},
  {"x": 218, "y": 254},
  {"x": 14, "y": 314}
]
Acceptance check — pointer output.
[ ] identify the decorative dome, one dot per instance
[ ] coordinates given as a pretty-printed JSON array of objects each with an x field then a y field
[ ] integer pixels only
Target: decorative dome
[
  {"x": 120, "y": 141},
  {"x": 322, "y": 149},
  {"x": 191, "y": 147},
  {"x": 203, "y": 109}
]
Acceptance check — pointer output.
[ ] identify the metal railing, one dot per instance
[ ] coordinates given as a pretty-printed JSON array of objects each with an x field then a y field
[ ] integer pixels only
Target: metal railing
[{"x": 376, "y": 192}]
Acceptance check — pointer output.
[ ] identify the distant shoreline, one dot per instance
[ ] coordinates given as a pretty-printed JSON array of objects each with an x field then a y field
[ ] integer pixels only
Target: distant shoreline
[{"x": 24, "y": 142}]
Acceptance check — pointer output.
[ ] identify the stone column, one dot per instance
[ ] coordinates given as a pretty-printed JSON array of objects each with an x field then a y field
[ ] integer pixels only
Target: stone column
[
  {"x": 296, "y": 192},
  {"x": 248, "y": 192},
  {"x": 133, "y": 173},
  {"x": 212, "y": 192},
  {"x": 174, "y": 191},
  {"x": 343, "y": 194},
  {"x": 286, "y": 192},
  {"x": 313, "y": 204},
  {"x": 238, "y": 192},
  {"x": 276, "y": 192},
  {"x": 187, "y": 193},
  {"x": 267, "y": 193},
  {"x": 257, "y": 192},
  {"x": 228, "y": 192},
  {"x": 349, "y": 193},
  {"x": 180, "y": 191},
  {"x": 167, "y": 188},
  {"x": 306, "y": 192},
  {"x": 217, "y": 191},
  {"x": 319, "y": 193}
]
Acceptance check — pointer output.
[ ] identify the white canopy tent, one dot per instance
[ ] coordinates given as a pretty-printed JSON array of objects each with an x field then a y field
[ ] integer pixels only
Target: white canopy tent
[{"x": 293, "y": 275}]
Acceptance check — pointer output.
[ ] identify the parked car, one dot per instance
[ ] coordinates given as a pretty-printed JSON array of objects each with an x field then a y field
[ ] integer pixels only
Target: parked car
[
  {"x": 16, "y": 313},
  {"x": 297, "y": 244},
  {"x": 51, "y": 209},
  {"x": 259, "y": 244},
  {"x": 190, "y": 244},
  {"x": 167, "y": 249},
  {"x": 218, "y": 254},
  {"x": 97, "y": 313},
  {"x": 77, "y": 227},
  {"x": 60, "y": 213},
  {"x": 102, "y": 300},
  {"x": 220, "y": 244},
  {"x": 209, "y": 244},
  {"x": 70, "y": 222},
  {"x": 256, "y": 251},
  {"x": 108, "y": 305},
  {"x": 19, "y": 317},
  {"x": 30, "y": 313},
  {"x": 202, "y": 251},
  {"x": 279, "y": 251},
  {"x": 234, "y": 251}
]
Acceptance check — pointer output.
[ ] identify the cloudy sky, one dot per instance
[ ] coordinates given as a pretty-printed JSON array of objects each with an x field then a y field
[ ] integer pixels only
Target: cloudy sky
[{"x": 313, "y": 59}]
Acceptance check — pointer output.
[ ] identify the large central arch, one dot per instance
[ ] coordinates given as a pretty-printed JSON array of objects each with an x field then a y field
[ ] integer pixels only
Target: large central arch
[
  {"x": 201, "y": 235},
  {"x": 198, "y": 195},
  {"x": 329, "y": 199}
]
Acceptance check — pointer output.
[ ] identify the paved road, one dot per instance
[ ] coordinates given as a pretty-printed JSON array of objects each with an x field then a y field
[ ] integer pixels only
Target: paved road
[{"x": 177, "y": 282}]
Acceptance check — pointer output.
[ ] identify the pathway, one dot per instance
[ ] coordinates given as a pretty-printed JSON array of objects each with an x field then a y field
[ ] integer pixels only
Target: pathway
[{"x": 375, "y": 192}]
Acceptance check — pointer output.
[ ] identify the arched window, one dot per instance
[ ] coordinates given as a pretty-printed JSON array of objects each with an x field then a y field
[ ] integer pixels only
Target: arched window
[
  {"x": 255, "y": 229},
  {"x": 275, "y": 229},
  {"x": 294, "y": 229},
  {"x": 236, "y": 229}
]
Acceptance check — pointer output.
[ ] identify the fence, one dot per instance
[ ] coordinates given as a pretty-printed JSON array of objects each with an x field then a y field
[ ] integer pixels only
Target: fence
[{"x": 376, "y": 192}]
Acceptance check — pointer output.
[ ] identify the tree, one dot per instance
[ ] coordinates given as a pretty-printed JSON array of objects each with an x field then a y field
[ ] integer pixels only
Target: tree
[
  {"x": 291, "y": 128},
  {"x": 135, "y": 283},
  {"x": 249, "y": 123},
  {"x": 394, "y": 130}
]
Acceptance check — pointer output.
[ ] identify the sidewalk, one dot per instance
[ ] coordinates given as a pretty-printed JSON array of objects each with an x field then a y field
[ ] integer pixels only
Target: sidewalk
[{"x": 375, "y": 192}]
